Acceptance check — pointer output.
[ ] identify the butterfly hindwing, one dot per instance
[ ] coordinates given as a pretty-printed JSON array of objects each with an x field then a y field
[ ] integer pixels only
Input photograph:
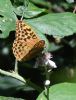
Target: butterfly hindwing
[{"x": 35, "y": 50}]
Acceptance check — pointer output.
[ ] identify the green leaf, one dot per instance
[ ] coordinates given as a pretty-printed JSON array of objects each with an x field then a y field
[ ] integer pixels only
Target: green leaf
[
  {"x": 9, "y": 98},
  {"x": 31, "y": 11},
  {"x": 6, "y": 25},
  {"x": 54, "y": 47},
  {"x": 6, "y": 9},
  {"x": 58, "y": 24},
  {"x": 63, "y": 91},
  {"x": 7, "y": 18},
  {"x": 8, "y": 84},
  {"x": 42, "y": 3}
]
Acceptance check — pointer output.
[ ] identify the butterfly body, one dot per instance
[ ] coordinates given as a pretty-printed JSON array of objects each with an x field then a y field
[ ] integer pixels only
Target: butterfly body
[{"x": 27, "y": 44}]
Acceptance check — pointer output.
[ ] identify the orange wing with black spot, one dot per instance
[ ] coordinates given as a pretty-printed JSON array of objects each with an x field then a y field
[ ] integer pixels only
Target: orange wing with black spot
[{"x": 27, "y": 44}]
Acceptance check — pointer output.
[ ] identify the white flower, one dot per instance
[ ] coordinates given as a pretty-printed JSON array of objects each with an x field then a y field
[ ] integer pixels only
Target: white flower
[
  {"x": 51, "y": 63},
  {"x": 45, "y": 60},
  {"x": 47, "y": 82}
]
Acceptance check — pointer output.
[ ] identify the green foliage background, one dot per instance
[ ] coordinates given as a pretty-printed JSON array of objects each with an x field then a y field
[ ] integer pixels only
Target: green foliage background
[{"x": 54, "y": 22}]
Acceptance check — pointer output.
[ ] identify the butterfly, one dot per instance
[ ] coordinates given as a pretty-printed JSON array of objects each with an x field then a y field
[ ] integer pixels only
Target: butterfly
[{"x": 27, "y": 43}]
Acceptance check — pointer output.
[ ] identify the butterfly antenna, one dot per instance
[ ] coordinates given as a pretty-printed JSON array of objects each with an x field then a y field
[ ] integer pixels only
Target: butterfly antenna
[
  {"x": 22, "y": 15},
  {"x": 25, "y": 8}
]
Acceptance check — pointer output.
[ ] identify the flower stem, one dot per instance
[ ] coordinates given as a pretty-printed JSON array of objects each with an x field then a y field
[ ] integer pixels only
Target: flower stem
[
  {"x": 47, "y": 78},
  {"x": 13, "y": 75},
  {"x": 16, "y": 66}
]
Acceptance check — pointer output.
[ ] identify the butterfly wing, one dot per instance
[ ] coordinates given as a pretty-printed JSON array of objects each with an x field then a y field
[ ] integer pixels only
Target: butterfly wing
[
  {"x": 37, "y": 48},
  {"x": 20, "y": 49},
  {"x": 27, "y": 43},
  {"x": 25, "y": 32}
]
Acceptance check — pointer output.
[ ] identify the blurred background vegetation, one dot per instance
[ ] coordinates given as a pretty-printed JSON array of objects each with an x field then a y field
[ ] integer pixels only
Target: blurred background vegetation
[{"x": 55, "y": 22}]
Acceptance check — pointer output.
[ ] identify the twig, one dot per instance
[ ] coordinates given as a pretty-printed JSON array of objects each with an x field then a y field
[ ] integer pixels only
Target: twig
[
  {"x": 23, "y": 11},
  {"x": 13, "y": 74},
  {"x": 74, "y": 9},
  {"x": 16, "y": 66},
  {"x": 47, "y": 92},
  {"x": 47, "y": 85}
]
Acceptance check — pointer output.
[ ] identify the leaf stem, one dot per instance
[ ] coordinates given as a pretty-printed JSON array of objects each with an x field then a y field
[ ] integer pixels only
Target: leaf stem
[
  {"x": 47, "y": 78},
  {"x": 13, "y": 74},
  {"x": 38, "y": 88},
  {"x": 47, "y": 93},
  {"x": 16, "y": 66}
]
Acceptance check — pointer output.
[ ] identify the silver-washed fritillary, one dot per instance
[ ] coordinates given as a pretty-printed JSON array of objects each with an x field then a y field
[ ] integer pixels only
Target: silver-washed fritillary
[{"x": 27, "y": 44}]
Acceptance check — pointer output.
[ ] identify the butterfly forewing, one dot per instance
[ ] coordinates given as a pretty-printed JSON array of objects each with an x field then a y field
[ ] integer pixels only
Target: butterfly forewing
[
  {"x": 24, "y": 32},
  {"x": 27, "y": 43}
]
